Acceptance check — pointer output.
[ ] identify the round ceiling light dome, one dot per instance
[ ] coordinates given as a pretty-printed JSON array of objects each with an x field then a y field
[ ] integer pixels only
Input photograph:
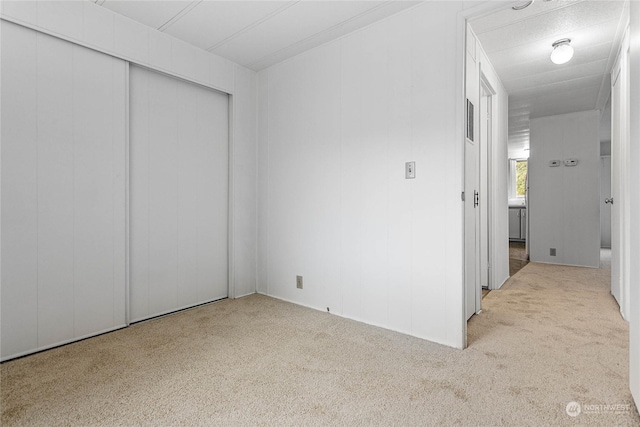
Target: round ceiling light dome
[
  {"x": 562, "y": 51},
  {"x": 523, "y": 5}
]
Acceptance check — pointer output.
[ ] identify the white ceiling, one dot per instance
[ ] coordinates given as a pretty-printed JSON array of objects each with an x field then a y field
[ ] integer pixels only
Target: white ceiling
[
  {"x": 256, "y": 34},
  {"x": 518, "y": 44}
]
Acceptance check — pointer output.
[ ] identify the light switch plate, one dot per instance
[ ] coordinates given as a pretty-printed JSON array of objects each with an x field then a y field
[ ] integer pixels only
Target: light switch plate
[{"x": 410, "y": 170}]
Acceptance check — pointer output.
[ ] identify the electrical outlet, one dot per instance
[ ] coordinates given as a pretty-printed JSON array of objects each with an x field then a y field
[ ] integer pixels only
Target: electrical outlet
[
  {"x": 410, "y": 170},
  {"x": 299, "y": 282},
  {"x": 552, "y": 251}
]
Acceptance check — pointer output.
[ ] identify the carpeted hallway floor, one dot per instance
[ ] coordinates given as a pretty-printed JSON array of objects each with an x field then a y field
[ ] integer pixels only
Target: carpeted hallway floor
[
  {"x": 518, "y": 257},
  {"x": 552, "y": 336}
]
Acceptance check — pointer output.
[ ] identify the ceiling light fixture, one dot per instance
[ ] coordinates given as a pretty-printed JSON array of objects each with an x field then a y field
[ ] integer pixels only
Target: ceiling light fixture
[
  {"x": 523, "y": 5},
  {"x": 562, "y": 51}
]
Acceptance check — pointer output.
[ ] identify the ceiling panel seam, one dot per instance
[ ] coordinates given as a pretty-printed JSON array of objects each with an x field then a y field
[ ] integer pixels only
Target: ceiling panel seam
[
  {"x": 321, "y": 33},
  {"x": 562, "y": 83},
  {"x": 519, "y": 81},
  {"x": 253, "y": 25},
  {"x": 188, "y": 8}
]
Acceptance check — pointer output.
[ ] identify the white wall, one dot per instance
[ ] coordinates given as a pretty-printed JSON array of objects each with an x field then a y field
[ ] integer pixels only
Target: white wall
[
  {"x": 336, "y": 126},
  {"x": 93, "y": 26},
  {"x": 564, "y": 202},
  {"x": 88, "y": 24},
  {"x": 478, "y": 64},
  {"x": 634, "y": 312},
  {"x": 244, "y": 202}
]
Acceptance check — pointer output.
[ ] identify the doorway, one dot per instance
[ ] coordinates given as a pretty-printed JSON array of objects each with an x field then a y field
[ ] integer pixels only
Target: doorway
[
  {"x": 478, "y": 199},
  {"x": 471, "y": 222},
  {"x": 486, "y": 132},
  {"x": 620, "y": 167}
]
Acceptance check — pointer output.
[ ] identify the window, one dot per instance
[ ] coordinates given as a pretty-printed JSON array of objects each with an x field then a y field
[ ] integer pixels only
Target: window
[
  {"x": 517, "y": 178},
  {"x": 521, "y": 177}
]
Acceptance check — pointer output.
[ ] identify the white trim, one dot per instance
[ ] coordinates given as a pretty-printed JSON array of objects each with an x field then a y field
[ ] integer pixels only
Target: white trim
[
  {"x": 61, "y": 343},
  {"x": 176, "y": 310},
  {"x": 112, "y": 53},
  {"x": 127, "y": 203},
  {"x": 246, "y": 295},
  {"x": 460, "y": 132},
  {"x": 355, "y": 319},
  {"x": 485, "y": 86},
  {"x": 231, "y": 284}
]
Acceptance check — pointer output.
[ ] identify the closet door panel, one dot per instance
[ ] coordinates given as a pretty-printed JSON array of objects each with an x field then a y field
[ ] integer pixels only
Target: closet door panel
[
  {"x": 163, "y": 193},
  {"x": 139, "y": 194},
  {"x": 179, "y": 194},
  {"x": 55, "y": 191},
  {"x": 189, "y": 172},
  {"x": 94, "y": 188},
  {"x": 19, "y": 286},
  {"x": 63, "y": 191},
  {"x": 213, "y": 188}
]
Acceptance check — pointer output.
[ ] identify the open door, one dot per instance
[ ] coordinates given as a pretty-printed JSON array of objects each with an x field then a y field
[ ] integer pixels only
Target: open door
[
  {"x": 484, "y": 147},
  {"x": 471, "y": 219},
  {"x": 620, "y": 167}
]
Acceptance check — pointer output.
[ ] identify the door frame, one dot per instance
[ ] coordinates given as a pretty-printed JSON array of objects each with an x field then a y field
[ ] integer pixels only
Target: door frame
[
  {"x": 475, "y": 11},
  {"x": 487, "y": 146},
  {"x": 471, "y": 146}
]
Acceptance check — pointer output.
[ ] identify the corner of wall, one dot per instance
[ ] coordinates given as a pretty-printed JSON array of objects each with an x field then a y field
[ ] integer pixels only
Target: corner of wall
[
  {"x": 245, "y": 178},
  {"x": 262, "y": 166},
  {"x": 634, "y": 315}
]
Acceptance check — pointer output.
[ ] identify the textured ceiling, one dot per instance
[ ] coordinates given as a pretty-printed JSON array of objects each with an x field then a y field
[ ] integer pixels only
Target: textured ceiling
[
  {"x": 256, "y": 34},
  {"x": 518, "y": 44}
]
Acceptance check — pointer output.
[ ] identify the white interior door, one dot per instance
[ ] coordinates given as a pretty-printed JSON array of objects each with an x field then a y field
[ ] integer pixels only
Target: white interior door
[
  {"x": 471, "y": 227},
  {"x": 178, "y": 194},
  {"x": 485, "y": 142},
  {"x": 605, "y": 208},
  {"x": 618, "y": 170}
]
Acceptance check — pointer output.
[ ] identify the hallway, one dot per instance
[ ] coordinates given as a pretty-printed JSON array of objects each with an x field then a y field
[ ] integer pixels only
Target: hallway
[
  {"x": 517, "y": 257},
  {"x": 556, "y": 335}
]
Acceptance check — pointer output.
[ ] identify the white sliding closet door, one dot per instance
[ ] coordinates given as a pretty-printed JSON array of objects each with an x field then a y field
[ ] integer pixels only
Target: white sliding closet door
[
  {"x": 63, "y": 191},
  {"x": 178, "y": 194}
]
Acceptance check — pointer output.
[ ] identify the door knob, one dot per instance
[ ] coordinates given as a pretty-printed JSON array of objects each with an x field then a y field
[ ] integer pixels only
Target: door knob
[{"x": 609, "y": 200}]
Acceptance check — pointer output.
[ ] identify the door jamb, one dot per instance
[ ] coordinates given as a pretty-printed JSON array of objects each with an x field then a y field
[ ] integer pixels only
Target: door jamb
[{"x": 482, "y": 9}]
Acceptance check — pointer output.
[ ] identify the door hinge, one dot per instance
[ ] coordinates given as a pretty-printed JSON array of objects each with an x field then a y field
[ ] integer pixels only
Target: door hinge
[{"x": 462, "y": 196}]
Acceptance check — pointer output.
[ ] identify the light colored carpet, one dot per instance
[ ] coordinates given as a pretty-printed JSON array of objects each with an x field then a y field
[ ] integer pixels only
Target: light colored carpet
[
  {"x": 552, "y": 336},
  {"x": 518, "y": 257}
]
